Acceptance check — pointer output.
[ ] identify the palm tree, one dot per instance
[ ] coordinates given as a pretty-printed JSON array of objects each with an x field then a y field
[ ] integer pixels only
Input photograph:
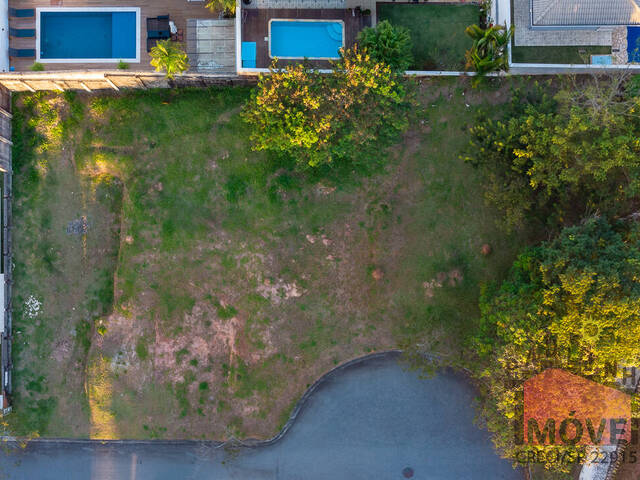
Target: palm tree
[
  {"x": 488, "y": 52},
  {"x": 169, "y": 57}
]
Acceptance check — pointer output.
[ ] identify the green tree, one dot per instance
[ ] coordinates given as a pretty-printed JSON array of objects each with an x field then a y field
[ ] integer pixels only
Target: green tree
[
  {"x": 226, "y": 6},
  {"x": 489, "y": 50},
  {"x": 388, "y": 44},
  {"x": 169, "y": 57},
  {"x": 570, "y": 303},
  {"x": 319, "y": 119},
  {"x": 553, "y": 159}
]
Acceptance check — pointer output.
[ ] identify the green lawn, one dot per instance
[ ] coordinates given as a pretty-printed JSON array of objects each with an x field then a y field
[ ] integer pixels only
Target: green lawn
[
  {"x": 211, "y": 286},
  {"x": 437, "y": 32},
  {"x": 579, "y": 55}
]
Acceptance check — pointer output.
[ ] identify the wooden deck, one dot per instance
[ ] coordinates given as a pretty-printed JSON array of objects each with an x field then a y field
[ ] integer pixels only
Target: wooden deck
[
  {"x": 255, "y": 28},
  {"x": 178, "y": 10}
]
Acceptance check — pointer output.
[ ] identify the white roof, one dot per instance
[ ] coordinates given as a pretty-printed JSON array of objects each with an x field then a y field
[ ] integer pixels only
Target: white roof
[{"x": 585, "y": 12}]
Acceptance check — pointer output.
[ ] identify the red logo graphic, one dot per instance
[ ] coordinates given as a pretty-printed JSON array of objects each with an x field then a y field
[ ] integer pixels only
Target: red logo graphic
[{"x": 565, "y": 409}]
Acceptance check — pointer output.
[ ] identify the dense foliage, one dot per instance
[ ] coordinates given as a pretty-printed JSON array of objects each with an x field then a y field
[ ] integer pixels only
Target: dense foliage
[
  {"x": 169, "y": 57},
  {"x": 226, "y": 6},
  {"x": 388, "y": 44},
  {"x": 557, "y": 158},
  {"x": 489, "y": 50},
  {"x": 319, "y": 119},
  {"x": 571, "y": 303}
]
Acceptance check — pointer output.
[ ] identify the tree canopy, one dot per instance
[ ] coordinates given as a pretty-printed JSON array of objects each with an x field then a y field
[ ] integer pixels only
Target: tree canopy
[
  {"x": 571, "y": 303},
  {"x": 319, "y": 119},
  {"x": 557, "y": 158}
]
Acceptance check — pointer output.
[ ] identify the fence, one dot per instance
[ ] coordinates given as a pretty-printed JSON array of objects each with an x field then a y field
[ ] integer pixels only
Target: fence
[
  {"x": 114, "y": 80},
  {"x": 6, "y": 264}
]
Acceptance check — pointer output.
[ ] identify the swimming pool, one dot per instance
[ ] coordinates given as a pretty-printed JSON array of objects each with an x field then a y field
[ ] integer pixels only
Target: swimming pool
[
  {"x": 312, "y": 39},
  {"x": 85, "y": 35}
]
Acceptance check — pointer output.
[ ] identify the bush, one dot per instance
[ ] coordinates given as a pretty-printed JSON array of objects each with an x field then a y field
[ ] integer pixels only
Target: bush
[
  {"x": 37, "y": 67},
  {"x": 123, "y": 65},
  {"x": 169, "y": 57},
  {"x": 321, "y": 119},
  {"x": 388, "y": 44},
  {"x": 489, "y": 50}
]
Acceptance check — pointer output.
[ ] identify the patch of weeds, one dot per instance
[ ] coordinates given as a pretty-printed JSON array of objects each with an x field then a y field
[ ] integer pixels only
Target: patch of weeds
[
  {"x": 235, "y": 427},
  {"x": 227, "y": 261},
  {"x": 48, "y": 255},
  {"x": 34, "y": 417},
  {"x": 75, "y": 115},
  {"x": 203, "y": 386},
  {"x": 222, "y": 406},
  {"x": 83, "y": 335},
  {"x": 154, "y": 432},
  {"x": 243, "y": 380},
  {"x": 141, "y": 349},
  {"x": 180, "y": 354},
  {"x": 176, "y": 305},
  {"x": 37, "y": 385},
  {"x": 225, "y": 313},
  {"x": 235, "y": 188},
  {"x": 193, "y": 362},
  {"x": 181, "y": 392},
  {"x": 189, "y": 377},
  {"x": 100, "y": 294}
]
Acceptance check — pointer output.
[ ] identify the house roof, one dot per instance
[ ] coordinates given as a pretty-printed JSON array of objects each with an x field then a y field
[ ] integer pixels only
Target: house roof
[{"x": 585, "y": 12}]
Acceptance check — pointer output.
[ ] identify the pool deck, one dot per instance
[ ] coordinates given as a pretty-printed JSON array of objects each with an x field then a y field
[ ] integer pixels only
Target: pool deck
[
  {"x": 178, "y": 10},
  {"x": 255, "y": 28}
]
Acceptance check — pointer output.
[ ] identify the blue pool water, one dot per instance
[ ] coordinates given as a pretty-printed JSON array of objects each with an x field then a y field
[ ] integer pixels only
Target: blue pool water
[
  {"x": 78, "y": 35},
  {"x": 298, "y": 39}
]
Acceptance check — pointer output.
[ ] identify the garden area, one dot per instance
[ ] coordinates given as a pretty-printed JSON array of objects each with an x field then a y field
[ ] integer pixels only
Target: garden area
[
  {"x": 173, "y": 283},
  {"x": 437, "y": 32}
]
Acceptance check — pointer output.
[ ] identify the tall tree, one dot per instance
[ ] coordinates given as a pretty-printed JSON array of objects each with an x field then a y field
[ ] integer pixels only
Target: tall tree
[
  {"x": 319, "y": 119},
  {"x": 571, "y": 303}
]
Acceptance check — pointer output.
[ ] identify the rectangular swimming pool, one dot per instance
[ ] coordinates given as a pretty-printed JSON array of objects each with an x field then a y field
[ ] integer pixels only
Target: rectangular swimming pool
[
  {"x": 85, "y": 35},
  {"x": 312, "y": 39}
]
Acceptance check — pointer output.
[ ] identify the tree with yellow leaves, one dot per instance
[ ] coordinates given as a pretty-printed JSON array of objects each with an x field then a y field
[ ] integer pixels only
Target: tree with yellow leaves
[
  {"x": 319, "y": 119},
  {"x": 571, "y": 303}
]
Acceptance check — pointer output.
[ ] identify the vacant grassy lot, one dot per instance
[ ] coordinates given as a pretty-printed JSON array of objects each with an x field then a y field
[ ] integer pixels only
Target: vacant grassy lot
[
  {"x": 190, "y": 287},
  {"x": 437, "y": 32}
]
